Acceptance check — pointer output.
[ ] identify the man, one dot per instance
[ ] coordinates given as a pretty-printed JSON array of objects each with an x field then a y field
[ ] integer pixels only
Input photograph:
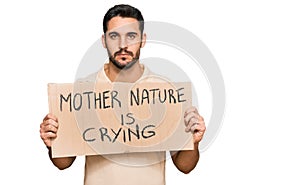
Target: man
[{"x": 123, "y": 38}]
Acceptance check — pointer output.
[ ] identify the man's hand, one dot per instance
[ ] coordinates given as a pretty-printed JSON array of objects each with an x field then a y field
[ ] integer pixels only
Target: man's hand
[
  {"x": 186, "y": 160},
  {"x": 194, "y": 123},
  {"x": 48, "y": 132},
  {"x": 48, "y": 129}
]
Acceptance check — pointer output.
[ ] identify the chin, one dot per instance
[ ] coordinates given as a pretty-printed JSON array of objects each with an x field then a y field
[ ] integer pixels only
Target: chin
[{"x": 124, "y": 64}]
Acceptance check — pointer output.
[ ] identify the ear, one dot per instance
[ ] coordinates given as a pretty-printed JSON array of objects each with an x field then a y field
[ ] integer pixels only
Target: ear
[
  {"x": 103, "y": 41},
  {"x": 144, "y": 38}
]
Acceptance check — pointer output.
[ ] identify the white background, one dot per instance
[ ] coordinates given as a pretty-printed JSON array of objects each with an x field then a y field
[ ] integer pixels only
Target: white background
[{"x": 256, "y": 44}]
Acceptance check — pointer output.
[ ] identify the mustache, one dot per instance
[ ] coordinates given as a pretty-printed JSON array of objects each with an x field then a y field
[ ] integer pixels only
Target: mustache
[{"x": 123, "y": 51}]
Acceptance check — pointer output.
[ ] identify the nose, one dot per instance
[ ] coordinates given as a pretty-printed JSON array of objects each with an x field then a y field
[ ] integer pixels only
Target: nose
[{"x": 123, "y": 43}]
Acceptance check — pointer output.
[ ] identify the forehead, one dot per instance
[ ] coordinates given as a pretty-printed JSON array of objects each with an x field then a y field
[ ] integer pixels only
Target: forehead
[{"x": 123, "y": 24}]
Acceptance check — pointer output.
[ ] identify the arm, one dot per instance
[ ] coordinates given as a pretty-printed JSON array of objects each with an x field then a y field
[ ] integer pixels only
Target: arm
[
  {"x": 48, "y": 132},
  {"x": 186, "y": 161}
]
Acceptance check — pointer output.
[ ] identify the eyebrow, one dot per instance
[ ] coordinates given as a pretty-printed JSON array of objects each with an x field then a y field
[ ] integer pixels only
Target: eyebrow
[
  {"x": 131, "y": 33},
  {"x": 110, "y": 33}
]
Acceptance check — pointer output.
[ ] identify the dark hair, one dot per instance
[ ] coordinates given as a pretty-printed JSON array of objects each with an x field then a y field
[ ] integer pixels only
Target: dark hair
[{"x": 123, "y": 10}]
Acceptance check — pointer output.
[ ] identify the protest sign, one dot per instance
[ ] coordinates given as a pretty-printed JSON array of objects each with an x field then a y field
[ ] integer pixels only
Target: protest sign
[{"x": 108, "y": 118}]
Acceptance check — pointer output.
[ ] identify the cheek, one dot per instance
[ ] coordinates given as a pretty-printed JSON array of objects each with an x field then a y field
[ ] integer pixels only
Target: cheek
[
  {"x": 134, "y": 48},
  {"x": 112, "y": 44},
  {"x": 112, "y": 49}
]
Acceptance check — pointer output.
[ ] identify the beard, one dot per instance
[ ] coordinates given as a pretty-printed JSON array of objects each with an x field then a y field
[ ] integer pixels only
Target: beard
[{"x": 129, "y": 64}]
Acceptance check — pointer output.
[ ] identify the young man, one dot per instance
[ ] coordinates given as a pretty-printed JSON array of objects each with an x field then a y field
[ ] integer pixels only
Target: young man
[{"x": 123, "y": 38}]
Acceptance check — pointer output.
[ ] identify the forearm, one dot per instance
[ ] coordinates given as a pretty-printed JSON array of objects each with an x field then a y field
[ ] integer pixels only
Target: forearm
[
  {"x": 61, "y": 163},
  {"x": 186, "y": 160}
]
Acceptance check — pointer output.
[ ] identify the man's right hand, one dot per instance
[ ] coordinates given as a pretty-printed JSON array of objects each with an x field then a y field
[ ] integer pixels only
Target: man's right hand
[
  {"x": 48, "y": 129},
  {"x": 48, "y": 132}
]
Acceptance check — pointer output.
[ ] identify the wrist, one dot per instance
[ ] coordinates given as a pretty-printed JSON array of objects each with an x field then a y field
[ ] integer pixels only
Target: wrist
[{"x": 196, "y": 146}]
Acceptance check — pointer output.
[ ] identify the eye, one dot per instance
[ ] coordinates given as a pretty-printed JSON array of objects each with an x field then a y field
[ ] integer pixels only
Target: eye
[
  {"x": 131, "y": 36},
  {"x": 113, "y": 36}
]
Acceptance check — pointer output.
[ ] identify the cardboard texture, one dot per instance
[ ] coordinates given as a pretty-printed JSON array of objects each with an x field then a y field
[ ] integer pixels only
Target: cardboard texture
[{"x": 103, "y": 118}]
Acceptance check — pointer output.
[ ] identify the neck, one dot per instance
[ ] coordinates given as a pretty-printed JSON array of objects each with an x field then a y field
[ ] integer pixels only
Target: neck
[{"x": 126, "y": 75}]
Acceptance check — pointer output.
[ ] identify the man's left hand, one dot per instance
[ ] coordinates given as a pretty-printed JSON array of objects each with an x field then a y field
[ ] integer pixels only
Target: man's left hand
[{"x": 194, "y": 123}]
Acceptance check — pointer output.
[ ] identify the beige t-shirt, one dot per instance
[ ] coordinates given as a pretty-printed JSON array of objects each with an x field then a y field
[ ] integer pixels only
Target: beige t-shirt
[{"x": 126, "y": 169}]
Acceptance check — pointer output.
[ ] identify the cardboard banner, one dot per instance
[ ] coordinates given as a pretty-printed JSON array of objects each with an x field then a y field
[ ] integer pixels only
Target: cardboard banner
[{"x": 103, "y": 118}]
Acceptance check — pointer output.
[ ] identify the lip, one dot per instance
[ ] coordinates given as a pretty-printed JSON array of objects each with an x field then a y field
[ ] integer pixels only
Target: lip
[{"x": 123, "y": 54}]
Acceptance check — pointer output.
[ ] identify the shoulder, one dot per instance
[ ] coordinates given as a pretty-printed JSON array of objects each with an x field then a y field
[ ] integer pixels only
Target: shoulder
[
  {"x": 90, "y": 78},
  {"x": 150, "y": 76},
  {"x": 98, "y": 76}
]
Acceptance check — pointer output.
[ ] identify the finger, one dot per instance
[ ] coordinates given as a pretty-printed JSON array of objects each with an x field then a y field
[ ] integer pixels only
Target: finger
[
  {"x": 189, "y": 110},
  {"x": 50, "y": 116},
  {"x": 48, "y": 135},
  {"x": 191, "y": 115},
  {"x": 198, "y": 136},
  {"x": 193, "y": 121},
  {"x": 198, "y": 128},
  {"x": 50, "y": 122},
  {"x": 195, "y": 128},
  {"x": 198, "y": 133},
  {"x": 49, "y": 128},
  {"x": 202, "y": 125},
  {"x": 47, "y": 138}
]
